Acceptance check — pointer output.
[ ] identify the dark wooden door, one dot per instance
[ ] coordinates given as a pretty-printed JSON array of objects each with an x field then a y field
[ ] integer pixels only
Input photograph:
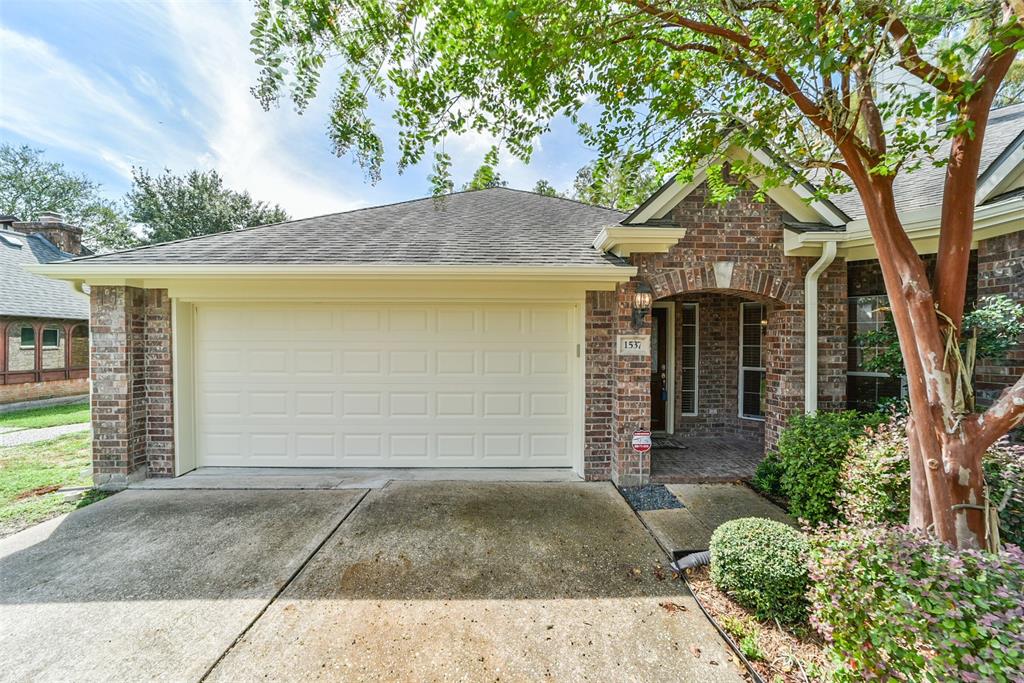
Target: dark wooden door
[{"x": 659, "y": 367}]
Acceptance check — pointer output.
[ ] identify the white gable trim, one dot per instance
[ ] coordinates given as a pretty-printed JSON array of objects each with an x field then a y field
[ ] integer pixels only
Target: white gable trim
[
  {"x": 1006, "y": 173},
  {"x": 792, "y": 198}
]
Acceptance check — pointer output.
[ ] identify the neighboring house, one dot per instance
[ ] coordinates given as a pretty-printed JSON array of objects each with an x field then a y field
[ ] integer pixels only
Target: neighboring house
[
  {"x": 500, "y": 328},
  {"x": 44, "y": 323}
]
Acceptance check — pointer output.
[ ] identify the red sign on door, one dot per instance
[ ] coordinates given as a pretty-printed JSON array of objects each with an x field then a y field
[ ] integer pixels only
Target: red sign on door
[{"x": 641, "y": 441}]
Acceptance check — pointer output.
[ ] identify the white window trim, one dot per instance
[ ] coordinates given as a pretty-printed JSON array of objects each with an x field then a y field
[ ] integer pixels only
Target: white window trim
[
  {"x": 742, "y": 367},
  {"x": 42, "y": 338},
  {"x": 21, "y": 344},
  {"x": 670, "y": 364},
  {"x": 696, "y": 359}
]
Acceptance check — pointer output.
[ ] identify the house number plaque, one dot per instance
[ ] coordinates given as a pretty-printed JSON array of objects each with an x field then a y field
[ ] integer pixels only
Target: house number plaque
[{"x": 634, "y": 344}]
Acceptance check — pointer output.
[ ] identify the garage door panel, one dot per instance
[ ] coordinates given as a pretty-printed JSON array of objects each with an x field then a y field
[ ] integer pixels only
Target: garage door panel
[{"x": 386, "y": 385}]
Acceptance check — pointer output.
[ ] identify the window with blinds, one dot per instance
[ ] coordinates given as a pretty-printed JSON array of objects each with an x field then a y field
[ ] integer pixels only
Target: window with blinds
[
  {"x": 752, "y": 390},
  {"x": 689, "y": 350}
]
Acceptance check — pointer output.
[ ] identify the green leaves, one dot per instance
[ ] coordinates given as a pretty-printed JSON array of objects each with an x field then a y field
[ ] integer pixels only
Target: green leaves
[
  {"x": 29, "y": 185},
  {"x": 172, "y": 207}
]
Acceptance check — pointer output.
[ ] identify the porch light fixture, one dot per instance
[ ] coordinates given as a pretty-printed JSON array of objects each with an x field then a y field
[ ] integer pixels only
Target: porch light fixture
[{"x": 642, "y": 300}]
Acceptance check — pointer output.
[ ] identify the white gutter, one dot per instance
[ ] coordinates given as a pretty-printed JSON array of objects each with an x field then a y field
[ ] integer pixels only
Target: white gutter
[
  {"x": 86, "y": 271},
  {"x": 828, "y": 255}
]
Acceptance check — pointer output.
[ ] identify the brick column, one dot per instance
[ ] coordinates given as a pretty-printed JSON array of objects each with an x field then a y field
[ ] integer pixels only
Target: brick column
[
  {"x": 159, "y": 385},
  {"x": 631, "y": 396},
  {"x": 130, "y": 370},
  {"x": 599, "y": 386},
  {"x": 784, "y": 365}
]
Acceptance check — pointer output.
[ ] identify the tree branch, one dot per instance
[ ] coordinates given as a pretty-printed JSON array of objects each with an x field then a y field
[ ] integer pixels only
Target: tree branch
[
  {"x": 1002, "y": 416},
  {"x": 960, "y": 190},
  {"x": 911, "y": 60}
]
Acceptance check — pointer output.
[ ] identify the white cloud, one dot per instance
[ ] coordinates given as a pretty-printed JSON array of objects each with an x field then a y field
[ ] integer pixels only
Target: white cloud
[
  {"x": 214, "y": 123},
  {"x": 49, "y": 100}
]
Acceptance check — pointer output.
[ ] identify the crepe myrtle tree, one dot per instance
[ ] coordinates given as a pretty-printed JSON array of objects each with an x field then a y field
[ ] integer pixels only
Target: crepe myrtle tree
[{"x": 846, "y": 93}]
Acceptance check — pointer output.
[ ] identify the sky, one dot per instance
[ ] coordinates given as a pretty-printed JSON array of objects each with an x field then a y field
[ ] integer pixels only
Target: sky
[{"x": 105, "y": 85}]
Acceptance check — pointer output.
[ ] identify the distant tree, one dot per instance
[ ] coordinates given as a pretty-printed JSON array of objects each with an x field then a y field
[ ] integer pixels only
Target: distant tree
[
  {"x": 486, "y": 176},
  {"x": 29, "y": 185},
  {"x": 611, "y": 183},
  {"x": 547, "y": 189},
  {"x": 173, "y": 207}
]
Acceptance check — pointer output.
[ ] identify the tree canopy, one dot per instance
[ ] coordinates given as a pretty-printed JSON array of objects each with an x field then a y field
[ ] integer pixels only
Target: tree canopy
[
  {"x": 672, "y": 82},
  {"x": 29, "y": 185},
  {"x": 173, "y": 207}
]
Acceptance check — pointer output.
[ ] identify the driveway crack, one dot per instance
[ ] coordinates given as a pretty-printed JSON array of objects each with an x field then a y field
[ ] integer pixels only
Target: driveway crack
[{"x": 283, "y": 588}]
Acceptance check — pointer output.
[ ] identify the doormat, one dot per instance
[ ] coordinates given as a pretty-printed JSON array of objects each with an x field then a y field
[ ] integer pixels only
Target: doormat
[{"x": 650, "y": 497}]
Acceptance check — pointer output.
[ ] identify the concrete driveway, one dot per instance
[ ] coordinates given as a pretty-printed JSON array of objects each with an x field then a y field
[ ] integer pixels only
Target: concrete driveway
[{"x": 415, "y": 580}]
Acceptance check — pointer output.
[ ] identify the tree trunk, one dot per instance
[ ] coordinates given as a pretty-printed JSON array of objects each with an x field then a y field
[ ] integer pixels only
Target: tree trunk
[{"x": 945, "y": 464}]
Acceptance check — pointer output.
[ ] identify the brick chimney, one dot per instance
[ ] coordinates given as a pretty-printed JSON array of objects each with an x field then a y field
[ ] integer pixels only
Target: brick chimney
[{"x": 51, "y": 225}]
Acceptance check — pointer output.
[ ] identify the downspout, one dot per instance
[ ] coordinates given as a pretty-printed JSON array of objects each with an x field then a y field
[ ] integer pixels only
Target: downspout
[{"x": 828, "y": 255}]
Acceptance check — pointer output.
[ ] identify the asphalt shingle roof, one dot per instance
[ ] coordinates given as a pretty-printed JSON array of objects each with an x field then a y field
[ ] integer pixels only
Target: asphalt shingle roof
[
  {"x": 923, "y": 187},
  {"x": 499, "y": 226},
  {"x": 24, "y": 294}
]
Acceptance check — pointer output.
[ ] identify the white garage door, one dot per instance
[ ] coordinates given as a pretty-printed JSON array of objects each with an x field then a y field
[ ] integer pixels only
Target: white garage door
[{"x": 386, "y": 385}]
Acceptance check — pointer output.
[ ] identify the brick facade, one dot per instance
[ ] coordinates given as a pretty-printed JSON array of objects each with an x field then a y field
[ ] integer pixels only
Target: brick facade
[
  {"x": 131, "y": 373},
  {"x": 36, "y": 391},
  {"x": 1001, "y": 271},
  {"x": 731, "y": 253}
]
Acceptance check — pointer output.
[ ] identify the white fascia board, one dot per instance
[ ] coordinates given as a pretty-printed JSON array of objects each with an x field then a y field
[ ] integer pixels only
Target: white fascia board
[
  {"x": 667, "y": 197},
  {"x": 1003, "y": 177},
  {"x": 85, "y": 272},
  {"x": 823, "y": 212},
  {"x": 921, "y": 225},
  {"x": 623, "y": 240}
]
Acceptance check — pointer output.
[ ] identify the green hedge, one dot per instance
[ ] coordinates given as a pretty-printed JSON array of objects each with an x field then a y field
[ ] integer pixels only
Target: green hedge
[
  {"x": 896, "y": 604},
  {"x": 812, "y": 450},
  {"x": 875, "y": 481}
]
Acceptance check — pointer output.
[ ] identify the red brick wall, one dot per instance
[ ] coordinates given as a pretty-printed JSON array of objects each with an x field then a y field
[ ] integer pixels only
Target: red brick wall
[
  {"x": 1001, "y": 271},
  {"x": 600, "y": 385},
  {"x": 131, "y": 399},
  {"x": 730, "y": 253},
  {"x": 34, "y": 391},
  {"x": 159, "y": 385},
  {"x": 744, "y": 238}
]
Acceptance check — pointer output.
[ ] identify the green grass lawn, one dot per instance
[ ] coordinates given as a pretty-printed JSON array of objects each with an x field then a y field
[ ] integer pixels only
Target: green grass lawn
[
  {"x": 53, "y": 416},
  {"x": 31, "y": 474}
]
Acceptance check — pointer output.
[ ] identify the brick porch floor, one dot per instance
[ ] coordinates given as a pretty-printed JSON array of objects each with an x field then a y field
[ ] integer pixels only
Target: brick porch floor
[{"x": 704, "y": 459}]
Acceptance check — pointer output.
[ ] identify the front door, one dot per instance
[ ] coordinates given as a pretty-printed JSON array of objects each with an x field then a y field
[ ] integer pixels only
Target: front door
[{"x": 659, "y": 368}]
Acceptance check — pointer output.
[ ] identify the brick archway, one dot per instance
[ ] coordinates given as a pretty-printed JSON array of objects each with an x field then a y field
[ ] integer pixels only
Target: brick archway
[{"x": 723, "y": 276}]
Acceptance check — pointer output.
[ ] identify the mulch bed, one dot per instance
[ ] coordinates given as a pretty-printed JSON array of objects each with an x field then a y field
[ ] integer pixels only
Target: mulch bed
[
  {"x": 650, "y": 497},
  {"x": 789, "y": 654}
]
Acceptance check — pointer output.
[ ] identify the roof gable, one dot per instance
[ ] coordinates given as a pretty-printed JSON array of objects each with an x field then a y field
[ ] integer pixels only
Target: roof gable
[
  {"x": 24, "y": 294},
  {"x": 794, "y": 199}
]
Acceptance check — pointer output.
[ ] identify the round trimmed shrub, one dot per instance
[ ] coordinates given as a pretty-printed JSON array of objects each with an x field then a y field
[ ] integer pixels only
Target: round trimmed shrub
[{"x": 762, "y": 565}]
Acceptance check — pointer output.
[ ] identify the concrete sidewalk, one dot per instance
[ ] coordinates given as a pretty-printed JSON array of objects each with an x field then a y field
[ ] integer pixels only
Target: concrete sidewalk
[
  {"x": 706, "y": 506},
  {"x": 19, "y": 437}
]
